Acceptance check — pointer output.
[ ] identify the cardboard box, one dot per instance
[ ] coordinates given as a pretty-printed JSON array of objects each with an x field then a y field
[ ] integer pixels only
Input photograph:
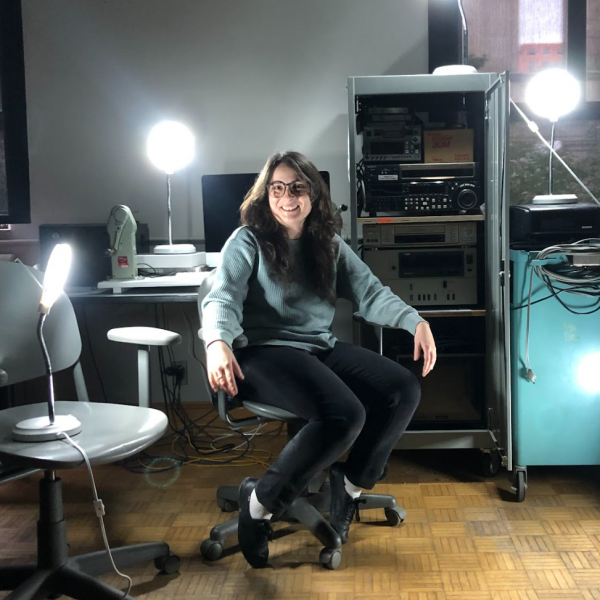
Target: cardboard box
[{"x": 448, "y": 146}]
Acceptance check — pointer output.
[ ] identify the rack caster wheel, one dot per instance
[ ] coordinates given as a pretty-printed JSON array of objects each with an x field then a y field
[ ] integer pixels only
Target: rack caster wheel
[
  {"x": 395, "y": 516},
  {"x": 331, "y": 558},
  {"x": 168, "y": 564},
  {"x": 211, "y": 550},
  {"x": 226, "y": 505},
  {"x": 520, "y": 485},
  {"x": 490, "y": 463}
]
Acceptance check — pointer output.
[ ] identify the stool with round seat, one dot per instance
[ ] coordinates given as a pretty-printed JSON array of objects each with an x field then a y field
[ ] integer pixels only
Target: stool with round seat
[{"x": 144, "y": 337}]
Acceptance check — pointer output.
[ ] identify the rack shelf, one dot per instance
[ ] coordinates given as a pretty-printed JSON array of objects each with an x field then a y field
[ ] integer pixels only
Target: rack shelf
[{"x": 429, "y": 219}]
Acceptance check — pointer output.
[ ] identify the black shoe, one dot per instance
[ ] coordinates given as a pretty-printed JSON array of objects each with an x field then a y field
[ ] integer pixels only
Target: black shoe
[
  {"x": 343, "y": 506},
  {"x": 253, "y": 534}
]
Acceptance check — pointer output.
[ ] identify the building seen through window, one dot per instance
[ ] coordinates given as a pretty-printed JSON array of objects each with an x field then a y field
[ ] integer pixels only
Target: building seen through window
[{"x": 525, "y": 37}]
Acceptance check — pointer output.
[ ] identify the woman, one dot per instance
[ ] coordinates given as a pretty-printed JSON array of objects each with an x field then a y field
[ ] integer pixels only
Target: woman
[{"x": 267, "y": 328}]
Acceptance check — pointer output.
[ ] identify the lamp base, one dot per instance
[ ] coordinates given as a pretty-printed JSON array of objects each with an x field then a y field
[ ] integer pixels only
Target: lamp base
[
  {"x": 175, "y": 249},
  {"x": 554, "y": 199},
  {"x": 39, "y": 429},
  {"x": 455, "y": 70}
]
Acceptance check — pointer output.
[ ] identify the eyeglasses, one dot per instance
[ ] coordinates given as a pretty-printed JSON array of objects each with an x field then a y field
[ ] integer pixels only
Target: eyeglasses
[{"x": 296, "y": 188}]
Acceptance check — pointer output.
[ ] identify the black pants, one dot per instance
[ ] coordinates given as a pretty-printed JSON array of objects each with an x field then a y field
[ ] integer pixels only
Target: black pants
[{"x": 349, "y": 397}]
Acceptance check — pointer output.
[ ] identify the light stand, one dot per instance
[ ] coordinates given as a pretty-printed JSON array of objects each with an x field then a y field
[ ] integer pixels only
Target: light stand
[
  {"x": 42, "y": 429},
  {"x": 464, "y": 68},
  {"x": 552, "y": 94},
  {"x": 170, "y": 148},
  {"x": 465, "y": 34}
]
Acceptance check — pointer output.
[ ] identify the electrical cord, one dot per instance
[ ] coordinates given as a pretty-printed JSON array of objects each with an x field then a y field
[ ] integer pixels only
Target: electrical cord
[
  {"x": 196, "y": 442},
  {"x": 155, "y": 272},
  {"x": 91, "y": 349},
  {"x": 100, "y": 511},
  {"x": 580, "y": 281},
  {"x": 360, "y": 184}
]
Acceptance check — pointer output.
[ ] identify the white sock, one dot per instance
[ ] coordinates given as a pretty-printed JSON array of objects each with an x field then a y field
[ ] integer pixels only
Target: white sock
[
  {"x": 352, "y": 489},
  {"x": 257, "y": 510}
]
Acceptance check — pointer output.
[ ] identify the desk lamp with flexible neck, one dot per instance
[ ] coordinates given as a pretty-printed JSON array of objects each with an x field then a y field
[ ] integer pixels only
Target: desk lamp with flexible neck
[{"x": 42, "y": 429}]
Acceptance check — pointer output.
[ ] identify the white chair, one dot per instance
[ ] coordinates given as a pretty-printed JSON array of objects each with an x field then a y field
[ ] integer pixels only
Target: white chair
[{"x": 111, "y": 432}]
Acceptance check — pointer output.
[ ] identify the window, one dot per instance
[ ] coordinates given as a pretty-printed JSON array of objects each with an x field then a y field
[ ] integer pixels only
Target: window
[
  {"x": 524, "y": 37},
  {"x": 521, "y": 36},
  {"x": 577, "y": 142},
  {"x": 592, "y": 62},
  {"x": 14, "y": 162}
]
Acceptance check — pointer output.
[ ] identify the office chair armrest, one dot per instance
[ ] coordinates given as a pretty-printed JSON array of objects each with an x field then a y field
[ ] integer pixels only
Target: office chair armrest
[{"x": 223, "y": 405}]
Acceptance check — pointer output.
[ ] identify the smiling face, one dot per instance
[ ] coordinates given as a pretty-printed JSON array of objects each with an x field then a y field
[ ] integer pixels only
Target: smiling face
[{"x": 289, "y": 210}]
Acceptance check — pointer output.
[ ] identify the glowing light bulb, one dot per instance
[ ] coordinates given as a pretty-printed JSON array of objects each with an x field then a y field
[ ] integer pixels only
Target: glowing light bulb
[
  {"x": 170, "y": 146},
  {"x": 552, "y": 93}
]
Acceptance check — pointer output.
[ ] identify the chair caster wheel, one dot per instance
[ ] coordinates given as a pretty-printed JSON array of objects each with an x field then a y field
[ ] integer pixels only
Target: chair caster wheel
[
  {"x": 395, "y": 515},
  {"x": 168, "y": 564},
  {"x": 211, "y": 550},
  {"x": 331, "y": 558},
  {"x": 226, "y": 505}
]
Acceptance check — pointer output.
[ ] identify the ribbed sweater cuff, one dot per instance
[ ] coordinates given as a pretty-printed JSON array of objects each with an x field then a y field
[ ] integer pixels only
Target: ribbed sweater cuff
[
  {"x": 411, "y": 321},
  {"x": 215, "y": 336}
]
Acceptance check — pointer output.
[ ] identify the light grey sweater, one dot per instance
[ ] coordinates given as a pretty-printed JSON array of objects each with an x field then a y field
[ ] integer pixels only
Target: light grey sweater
[{"x": 246, "y": 306}]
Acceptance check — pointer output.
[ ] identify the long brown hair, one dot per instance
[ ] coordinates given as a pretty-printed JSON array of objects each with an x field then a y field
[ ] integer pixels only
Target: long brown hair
[{"x": 318, "y": 244}]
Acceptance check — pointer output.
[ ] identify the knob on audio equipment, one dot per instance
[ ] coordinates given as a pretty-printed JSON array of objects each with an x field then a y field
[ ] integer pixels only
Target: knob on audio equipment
[{"x": 466, "y": 199}]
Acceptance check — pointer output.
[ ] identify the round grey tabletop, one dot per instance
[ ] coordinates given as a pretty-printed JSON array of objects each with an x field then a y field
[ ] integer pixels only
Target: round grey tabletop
[{"x": 110, "y": 432}]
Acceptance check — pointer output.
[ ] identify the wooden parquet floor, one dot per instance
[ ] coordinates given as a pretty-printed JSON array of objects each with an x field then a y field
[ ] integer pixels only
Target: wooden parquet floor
[{"x": 464, "y": 538}]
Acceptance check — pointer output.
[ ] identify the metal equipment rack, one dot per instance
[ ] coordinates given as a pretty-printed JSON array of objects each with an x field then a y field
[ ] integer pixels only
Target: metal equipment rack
[{"x": 490, "y": 430}]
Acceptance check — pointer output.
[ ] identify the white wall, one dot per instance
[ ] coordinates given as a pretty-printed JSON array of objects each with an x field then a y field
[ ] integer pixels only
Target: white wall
[{"x": 249, "y": 77}]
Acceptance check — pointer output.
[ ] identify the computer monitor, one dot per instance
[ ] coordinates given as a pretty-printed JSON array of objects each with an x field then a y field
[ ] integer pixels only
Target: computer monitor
[
  {"x": 222, "y": 196},
  {"x": 90, "y": 243}
]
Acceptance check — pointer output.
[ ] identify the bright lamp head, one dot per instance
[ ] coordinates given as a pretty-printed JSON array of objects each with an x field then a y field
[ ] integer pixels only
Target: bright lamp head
[
  {"x": 170, "y": 146},
  {"x": 56, "y": 275},
  {"x": 552, "y": 94}
]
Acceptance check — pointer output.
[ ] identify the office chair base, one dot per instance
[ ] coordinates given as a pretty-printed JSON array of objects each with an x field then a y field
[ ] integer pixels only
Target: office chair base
[
  {"x": 56, "y": 574},
  {"x": 306, "y": 509}
]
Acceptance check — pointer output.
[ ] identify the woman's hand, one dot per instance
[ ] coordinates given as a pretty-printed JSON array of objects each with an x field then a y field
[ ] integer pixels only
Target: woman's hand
[
  {"x": 424, "y": 342},
  {"x": 222, "y": 368}
]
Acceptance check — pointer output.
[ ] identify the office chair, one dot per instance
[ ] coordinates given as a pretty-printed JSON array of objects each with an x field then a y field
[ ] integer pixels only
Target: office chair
[
  {"x": 111, "y": 433},
  {"x": 308, "y": 509}
]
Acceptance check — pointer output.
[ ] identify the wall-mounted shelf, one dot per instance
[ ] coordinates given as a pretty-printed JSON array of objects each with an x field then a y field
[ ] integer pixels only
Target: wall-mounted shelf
[{"x": 429, "y": 219}]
